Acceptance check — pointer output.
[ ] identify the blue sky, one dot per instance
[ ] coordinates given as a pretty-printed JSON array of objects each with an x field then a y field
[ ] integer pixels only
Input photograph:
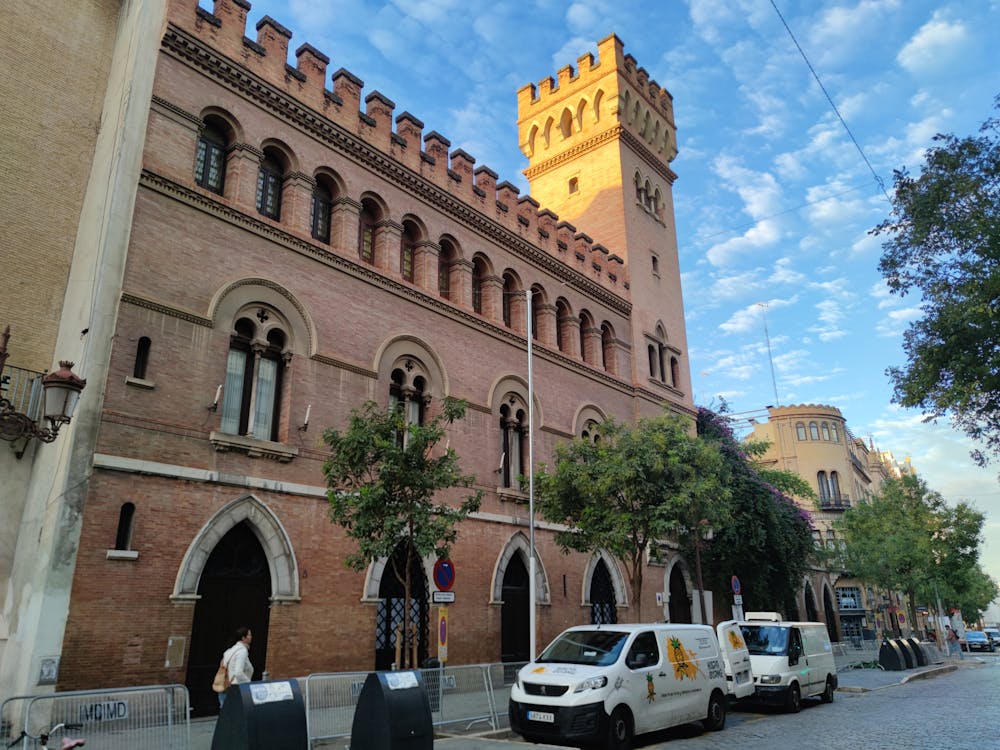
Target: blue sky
[{"x": 773, "y": 200}]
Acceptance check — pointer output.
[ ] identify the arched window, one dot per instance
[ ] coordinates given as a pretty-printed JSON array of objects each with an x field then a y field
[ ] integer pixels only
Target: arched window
[
  {"x": 657, "y": 202},
  {"x": 537, "y": 302},
  {"x": 590, "y": 431},
  {"x": 563, "y": 319},
  {"x": 141, "y": 358},
  {"x": 647, "y": 191},
  {"x": 257, "y": 356},
  {"x": 408, "y": 393},
  {"x": 836, "y": 433},
  {"x": 608, "y": 348},
  {"x": 813, "y": 431},
  {"x": 210, "y": 162},
  {"x": 800, "y": 431},
  {"x": 825, "y": 429},
  {"x": 407, "y": 248},
  {"x": 640, "y": 191},
  {"x": 368, "y": 220},
  {"x": 513, "y": 441},
  {"x": 602, "y": 597},
  {"x": 824, "y": 488},
  {"x": 126, "y": 517},
  {"x": 270, "y": 177},
  {"x": 651, "y": 349},
  {"x": 478, "y": 279},
  {"x": 586, "y": 352},
  {"x": 446, "y": 257},
  {"x": 835, "y": 488},
  {"x": 675, "y": 372},
  {"x": 566, "y": 123},
  {"x": 507, "y": 306},
  {"x": 322, "y": 204}
]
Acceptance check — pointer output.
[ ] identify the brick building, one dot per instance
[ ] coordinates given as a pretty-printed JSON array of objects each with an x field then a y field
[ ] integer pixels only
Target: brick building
[{"x": 295, "y": 251}]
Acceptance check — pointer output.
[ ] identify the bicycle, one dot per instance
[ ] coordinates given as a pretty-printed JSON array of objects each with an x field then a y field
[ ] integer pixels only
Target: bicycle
[{"x": 68, "y": 743}]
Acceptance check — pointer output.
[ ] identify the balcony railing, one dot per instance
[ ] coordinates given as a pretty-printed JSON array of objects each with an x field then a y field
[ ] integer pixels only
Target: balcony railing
[{"x": 836, "y": 502}]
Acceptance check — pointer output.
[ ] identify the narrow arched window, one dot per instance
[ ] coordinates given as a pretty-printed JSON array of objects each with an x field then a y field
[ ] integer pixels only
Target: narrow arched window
[
  {"x": 270, "y": 177},
  {"x": 608, "y": 348},
  {"x": 651, "y": 349},
  {"x": 478, "y": 279},
  {"x": 835, "y": 488},
  {"x": 507, "y": 305},
  {"x": 446, "y": 257},
  {"x": 823, "y": 487},
  {"x": 562, "y": 320},
  {"x": 675, "y": 372},
  {"x": 836, "y": 433},
  {"x": 536, "y": 312},
  {"x": 813, "y": 431},
  {"x": 322, "y": 203},
  {"x": 141, "y": 358},
  {"x": 825, "y": 429},
  {"x": 210, "y": 162},
  {"x": 126, "y": 517},
  {"x": 407, "y": 248},
  {"x": 586, "y": 352},
  {"x": 800, "y": 431},
  {"x": 367, "y": 220}
]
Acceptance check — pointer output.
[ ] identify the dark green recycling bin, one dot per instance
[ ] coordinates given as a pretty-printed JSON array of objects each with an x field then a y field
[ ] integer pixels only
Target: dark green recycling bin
[
  {"x": 393, "y": 713},
  {"x": 262, "y": 716}
]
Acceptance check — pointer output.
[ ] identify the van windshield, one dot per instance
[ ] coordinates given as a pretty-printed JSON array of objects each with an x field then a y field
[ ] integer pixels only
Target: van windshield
[
  {"x": 598, "y": 648},
  {"x": 766, "y": 640}
]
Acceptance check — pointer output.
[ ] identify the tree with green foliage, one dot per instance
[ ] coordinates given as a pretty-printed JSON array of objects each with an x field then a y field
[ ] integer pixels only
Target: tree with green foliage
[
  {"x": 384, "y": 475},
  {"x": 768, "y": 540},
  {"x": 943, "y": 242},
  {"x": 633, "y": 486},
  {"x": 906, "y": 538}
]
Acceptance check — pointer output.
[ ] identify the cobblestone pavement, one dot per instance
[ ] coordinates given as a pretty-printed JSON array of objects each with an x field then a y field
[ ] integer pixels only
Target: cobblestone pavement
[{"x": 955, "y": 709}]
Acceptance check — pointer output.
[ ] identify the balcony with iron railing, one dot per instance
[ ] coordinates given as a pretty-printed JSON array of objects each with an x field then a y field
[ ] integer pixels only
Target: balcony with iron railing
[{"x": 839, "y": 501}]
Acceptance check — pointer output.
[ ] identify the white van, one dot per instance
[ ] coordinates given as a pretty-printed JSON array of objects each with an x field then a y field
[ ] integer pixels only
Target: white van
[
  {"x": 603, "y": 684},
  {"x": 790, "y": 660}
]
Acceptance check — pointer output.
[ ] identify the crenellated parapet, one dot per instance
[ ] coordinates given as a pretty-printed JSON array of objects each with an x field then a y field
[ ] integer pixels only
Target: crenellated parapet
[
  {"x": 595, "y": 100},
  {"x": 401, "y": 137}
]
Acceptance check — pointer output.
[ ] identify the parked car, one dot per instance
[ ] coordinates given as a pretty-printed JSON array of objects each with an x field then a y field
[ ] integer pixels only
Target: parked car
[
  {"x": 977, "y": 640},
  {"x": 993, "y": 634}
]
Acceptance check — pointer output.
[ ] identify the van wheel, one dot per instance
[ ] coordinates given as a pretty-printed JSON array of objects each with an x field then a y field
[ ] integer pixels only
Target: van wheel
[
  {"x": 793, "y": 701},
  {"x": 827, "y": 696},
  {"x": 716, "y": 719},
  {"x": 619, "y": 730}
]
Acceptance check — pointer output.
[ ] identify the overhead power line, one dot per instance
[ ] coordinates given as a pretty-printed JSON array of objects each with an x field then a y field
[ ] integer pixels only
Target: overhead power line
[{"x": 878, "y": 180}]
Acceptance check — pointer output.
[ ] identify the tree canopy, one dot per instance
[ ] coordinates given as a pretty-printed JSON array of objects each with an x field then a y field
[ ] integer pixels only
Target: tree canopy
[
  {"x": 636, "y": 484},
  {"x": 906, "y": 538},
  {"x": 768, "y": 540},
  {"x": 943, "y": 242},
  {"x": 384, "y": 475}
]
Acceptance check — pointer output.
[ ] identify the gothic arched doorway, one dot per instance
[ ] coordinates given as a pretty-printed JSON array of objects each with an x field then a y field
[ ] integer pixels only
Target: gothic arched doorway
[
  {"x": 392, "y": 595},
  {"x": 831, "y": 615},
  {"x": 811, "y": 614},
  {"x": 514, "y": 628},
  {"x": 602, "y": 596},
  {"x": 234, "y": 590},
  {"x": 680, "y": 604}
]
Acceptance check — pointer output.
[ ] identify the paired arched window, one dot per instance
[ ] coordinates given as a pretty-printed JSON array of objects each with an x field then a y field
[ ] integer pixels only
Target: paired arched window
[
  {"x": 513, "y": 441},
  {"x": 210, "y": 160},
  {"x": 270, "y": 178},
  {"x": 257, "y": 355},
  {"x": 408, "y": 393}
]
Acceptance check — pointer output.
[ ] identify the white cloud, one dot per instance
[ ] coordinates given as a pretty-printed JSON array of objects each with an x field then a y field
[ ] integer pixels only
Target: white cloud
[
  {"x": 893, "y": 324},
  {"x": 751, "y": 317},
  {"x": 784, "y": 274},
  {"x": 936, "y": 45}
]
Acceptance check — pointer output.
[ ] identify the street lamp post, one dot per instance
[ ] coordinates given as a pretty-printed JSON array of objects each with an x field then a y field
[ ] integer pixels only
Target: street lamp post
[{"x": 531, "y": 486}]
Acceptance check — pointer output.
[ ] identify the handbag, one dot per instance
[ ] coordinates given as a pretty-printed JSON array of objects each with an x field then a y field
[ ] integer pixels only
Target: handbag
[{"x": 221, "y": 682}]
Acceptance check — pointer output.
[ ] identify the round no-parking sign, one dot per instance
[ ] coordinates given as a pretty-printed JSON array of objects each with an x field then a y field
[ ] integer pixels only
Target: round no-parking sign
[{"x": 444, "y": 574}]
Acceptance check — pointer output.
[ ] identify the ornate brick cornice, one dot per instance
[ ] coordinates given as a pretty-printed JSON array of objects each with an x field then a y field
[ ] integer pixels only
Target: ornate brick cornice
[
  {"x": 186, "y": 48},
  {"x": 168, "y": 310}
]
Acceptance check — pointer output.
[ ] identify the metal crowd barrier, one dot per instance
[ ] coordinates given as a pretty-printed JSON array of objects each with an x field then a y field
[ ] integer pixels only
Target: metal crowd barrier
[
  {"x": 152, "y": 717},
  {"x": 463, "y": 699}
]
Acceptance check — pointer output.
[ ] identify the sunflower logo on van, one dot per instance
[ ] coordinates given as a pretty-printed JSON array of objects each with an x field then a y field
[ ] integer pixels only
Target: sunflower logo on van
[
  {"x": 682, "y": 659},
  {"x": 735, "y": 640}
]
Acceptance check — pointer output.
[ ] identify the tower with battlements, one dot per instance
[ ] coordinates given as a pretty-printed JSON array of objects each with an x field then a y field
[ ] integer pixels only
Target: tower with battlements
[{"x": 599, "y": 142}]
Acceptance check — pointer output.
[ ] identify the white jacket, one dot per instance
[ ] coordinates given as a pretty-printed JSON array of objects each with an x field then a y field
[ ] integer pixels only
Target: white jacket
[{"x": 237, "y": 661}]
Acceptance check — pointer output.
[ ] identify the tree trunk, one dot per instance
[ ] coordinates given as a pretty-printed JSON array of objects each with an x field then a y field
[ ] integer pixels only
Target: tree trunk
[
  {"x": 635, "y": 579},
  {"x": 406, "y": 606}
]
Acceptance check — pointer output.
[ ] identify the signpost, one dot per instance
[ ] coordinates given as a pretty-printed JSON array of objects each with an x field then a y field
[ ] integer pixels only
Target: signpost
[
  {"x": 737, "y": 598},
  {"x": 444, "y": 579}
]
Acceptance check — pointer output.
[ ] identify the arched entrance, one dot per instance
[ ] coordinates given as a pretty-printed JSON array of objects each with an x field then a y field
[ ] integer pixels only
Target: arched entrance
[
  {"x": 392, "y": 596},
  {"x": 680, "y": 603},
  {"x": 234, "y": 590},
  {"x": 514, "y": 628},
  {"x": 811, "y": 614},
  {"x": 831, "y": 615},
  {"x": 602, "y": 596}
]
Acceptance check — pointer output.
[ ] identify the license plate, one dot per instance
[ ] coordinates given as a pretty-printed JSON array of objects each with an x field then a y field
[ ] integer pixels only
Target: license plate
[{"x": 545, "y": 716}]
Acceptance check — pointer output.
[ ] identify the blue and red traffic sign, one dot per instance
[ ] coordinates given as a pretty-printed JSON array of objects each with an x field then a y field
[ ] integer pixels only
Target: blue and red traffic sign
[{"x": 444, "y": 574}]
